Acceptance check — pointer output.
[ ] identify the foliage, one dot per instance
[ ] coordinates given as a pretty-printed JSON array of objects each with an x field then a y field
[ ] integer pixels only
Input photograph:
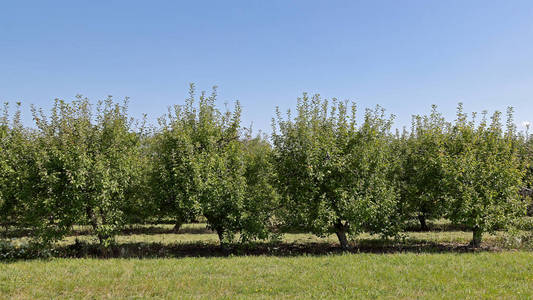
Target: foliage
[
  {"x": 10, "y": 251},
  {"x": 138, "y": 207},
  {"x": 15, "y": 143},
  {"x": 4, "y": 168},
  {"x": 323, "y": 173},
  {"x": 174, "y": 176},
  {"x": 333, "y": 174},
  {"x": 519, "y": 234},
  {"x": 525, "y": 147},
  {"x": 483, "y": 174},
  {"x": 85, "y": 166},
  {"x": 422, "y": 168},
  {"x": 261, "y": 200},
  {"x": 201, "y": 167}
]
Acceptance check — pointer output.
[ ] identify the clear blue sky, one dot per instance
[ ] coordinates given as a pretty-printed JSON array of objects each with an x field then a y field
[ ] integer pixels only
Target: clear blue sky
[{"x": 403, "y": 55}]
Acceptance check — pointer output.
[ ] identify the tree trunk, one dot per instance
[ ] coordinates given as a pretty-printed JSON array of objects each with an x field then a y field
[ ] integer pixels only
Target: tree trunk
[
  {"x": 340, "y": 231},
  {"x": 6, "y": 230},
  {"x": 423, "y": 224},
  {"x": 177, "y": 226},
  {"x": 342, "y": 239},
  {"x": 224, "y": 246},
  {"x": 476, "y": 237},
  {"x": 93, "y": 220},
  {"x": 220, "y": 233}
]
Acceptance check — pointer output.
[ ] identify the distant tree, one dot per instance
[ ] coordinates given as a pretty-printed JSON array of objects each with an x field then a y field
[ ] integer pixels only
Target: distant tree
[
  {"x": 525, "y": 146},
  {"x": 334, "y": 176},
  {"x": 261, "y": 202},
  {"x": 175, "y": 174},
  {"x": 483, "y": 175},
  {"x": 422, "y": 190},
  {"x": 137, "y": 205}
]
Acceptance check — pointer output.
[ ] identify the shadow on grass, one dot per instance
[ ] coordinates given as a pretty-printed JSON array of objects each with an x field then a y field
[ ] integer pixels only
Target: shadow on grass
[
  {"x": 144, "y": 230},
  {"x": 154, "y": 230},
  {"x": 182, "y": 250},
  {"x": 435, "y": 227},
  {"x": 16, "y": 232}
]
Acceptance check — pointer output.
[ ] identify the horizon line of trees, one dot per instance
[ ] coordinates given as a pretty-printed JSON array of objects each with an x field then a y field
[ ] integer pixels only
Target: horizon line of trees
[{"x": 323, "y": 170}]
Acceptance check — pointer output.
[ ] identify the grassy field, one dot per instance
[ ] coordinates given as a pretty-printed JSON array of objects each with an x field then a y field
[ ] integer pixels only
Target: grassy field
[
  {"x": 442, "y": 233},
  {"x": 155, "y": 262},
  {"x": 506, "y": 275}
]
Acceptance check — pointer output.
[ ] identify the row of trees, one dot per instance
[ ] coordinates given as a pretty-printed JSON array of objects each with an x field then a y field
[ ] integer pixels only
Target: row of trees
[{"x": 321, "y": 171}]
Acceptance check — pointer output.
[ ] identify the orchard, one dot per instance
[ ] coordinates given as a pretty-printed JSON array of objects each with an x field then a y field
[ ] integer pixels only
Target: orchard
[{"x": 327, "y": 168}]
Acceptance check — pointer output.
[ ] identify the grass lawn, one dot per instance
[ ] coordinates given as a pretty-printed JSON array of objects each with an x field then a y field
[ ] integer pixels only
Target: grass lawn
[
  {"x": 506, "y": 275},
  {"x": 156, "y": 262}
]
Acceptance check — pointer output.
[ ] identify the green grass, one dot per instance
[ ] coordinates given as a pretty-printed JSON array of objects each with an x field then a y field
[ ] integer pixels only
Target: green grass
[
  {"x": 160, "y": 241},
  {"x": 506, "y": 275},
  {"x": 198, "y": 233},
  {"x": 301, "y": 238},
  {"x": 442, "y": 270}
]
